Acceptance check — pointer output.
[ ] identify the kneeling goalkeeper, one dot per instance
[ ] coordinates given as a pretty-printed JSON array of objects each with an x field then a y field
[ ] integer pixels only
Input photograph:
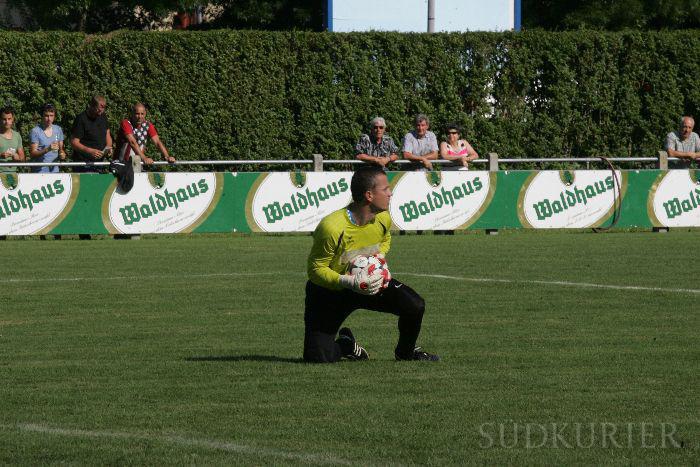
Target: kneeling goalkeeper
[{"x": 363, "y": 228}]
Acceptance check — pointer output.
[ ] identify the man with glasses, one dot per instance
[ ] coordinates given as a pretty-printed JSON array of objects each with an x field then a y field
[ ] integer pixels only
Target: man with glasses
[
  {"x": 420, "y": 146},
  {"x": 90, "y": 137},
  {"x": 376, "y": 148}
]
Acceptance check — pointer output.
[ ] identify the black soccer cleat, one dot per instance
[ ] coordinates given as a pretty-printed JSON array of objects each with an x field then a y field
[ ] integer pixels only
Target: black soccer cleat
[
  {"x": 349, "y": 347},
  {"x": 418, "y": 354}
]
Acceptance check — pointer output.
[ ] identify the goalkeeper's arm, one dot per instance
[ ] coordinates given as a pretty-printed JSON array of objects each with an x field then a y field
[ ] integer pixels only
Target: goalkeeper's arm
[
  {"x": 325, "y": 277},
  {"x": 320, "y": 257}
]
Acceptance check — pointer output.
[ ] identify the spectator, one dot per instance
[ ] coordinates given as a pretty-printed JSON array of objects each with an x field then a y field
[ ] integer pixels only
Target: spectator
[
  {"x": 455, "y": 149},
  {"x": 376, "y": 148},
  {"x": 11, "y": 149},
  {"x": 46, "y": 141},
  {"x": 420, "y": 146},
  {"x": 684, "y": 144},
  {"x": 90, "y": 136},
  {"x": 133, "y": 134}
]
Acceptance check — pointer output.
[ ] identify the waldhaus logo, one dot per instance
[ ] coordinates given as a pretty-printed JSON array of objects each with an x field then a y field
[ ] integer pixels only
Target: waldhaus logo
[
  {"x": 156, "y": 179},
  {"x": 439, "y": 199},
  {"x": 674, "y": 207},
  {"x": 569, "y": 198},
  {"x": 161, "y": 202},
  {"x": 566, "y": 177},
  {"x": 434, "y": 178},
  {"x": 302, "y": 200},
  {"x": 9, "y": 181},
  {"x": 694, "y": 176},
  {"x": 16, "y": 203},
  {"x": 298, "y": 178}
]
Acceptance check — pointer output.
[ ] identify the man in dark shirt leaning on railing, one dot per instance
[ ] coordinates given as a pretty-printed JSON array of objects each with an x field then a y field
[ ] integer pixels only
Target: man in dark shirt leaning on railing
[{"x": 90, "y": 136}]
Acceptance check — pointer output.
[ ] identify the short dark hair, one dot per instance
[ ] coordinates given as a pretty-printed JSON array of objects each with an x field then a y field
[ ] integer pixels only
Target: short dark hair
[
  {"x": 451, "y": 127},
  {"x": 363, "y": 180},
  {"x": 48, "y": 107},
  {"x": 7, "y": 110}
]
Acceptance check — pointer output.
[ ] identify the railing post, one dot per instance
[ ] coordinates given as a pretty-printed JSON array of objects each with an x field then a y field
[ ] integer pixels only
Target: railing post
[
  {"x": 662, "y": 165},
  {"x": 318, "y": 162},
  {"x": 663, "y": 160},
  {"x": 493, "y": 162},
  {"x": 493, "y": 167},
  {"x": 136, "y": 163}
]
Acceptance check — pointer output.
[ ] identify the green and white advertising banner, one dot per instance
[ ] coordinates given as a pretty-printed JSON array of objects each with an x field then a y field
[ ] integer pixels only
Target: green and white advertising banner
[
  {"x": 674, "y": 200},
  {"x": 174, "y": 202},
  {"x": 296, "y": 201},
  {"x": 34, "y": 203},
  {"x": 161, "y": 203},
  {"x": 439, "y": 200},
  {"x": 569, "y": 199}
]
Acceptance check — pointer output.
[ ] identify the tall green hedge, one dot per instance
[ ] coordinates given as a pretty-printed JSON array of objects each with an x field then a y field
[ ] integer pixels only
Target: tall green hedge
[{"x": 251, "y": 95}]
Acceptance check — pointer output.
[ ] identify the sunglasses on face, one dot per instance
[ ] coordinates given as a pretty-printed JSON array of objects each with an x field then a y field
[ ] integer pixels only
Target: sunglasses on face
[{"x": 377, "y": 127}]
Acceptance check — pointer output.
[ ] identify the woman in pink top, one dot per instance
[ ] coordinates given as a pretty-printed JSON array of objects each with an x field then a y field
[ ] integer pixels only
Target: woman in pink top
[{"x": 455, "y": 149}]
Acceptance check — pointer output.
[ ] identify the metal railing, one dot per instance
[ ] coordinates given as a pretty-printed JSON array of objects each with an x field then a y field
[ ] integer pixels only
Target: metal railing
[
  {"x": 318, "y": 162},
  {"x": 157, "y": 163}
]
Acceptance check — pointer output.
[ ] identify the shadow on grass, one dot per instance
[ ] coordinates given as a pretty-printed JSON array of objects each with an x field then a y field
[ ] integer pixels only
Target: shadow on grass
[{"x": 244, "y": 358}]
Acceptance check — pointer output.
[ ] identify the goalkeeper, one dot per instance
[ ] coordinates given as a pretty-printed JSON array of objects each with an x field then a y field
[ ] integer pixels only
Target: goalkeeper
[{"x": 360, "y": 229}]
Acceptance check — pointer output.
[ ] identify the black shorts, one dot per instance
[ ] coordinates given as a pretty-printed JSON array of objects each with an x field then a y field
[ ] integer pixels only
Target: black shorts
[{"x": 326, "y": 310}]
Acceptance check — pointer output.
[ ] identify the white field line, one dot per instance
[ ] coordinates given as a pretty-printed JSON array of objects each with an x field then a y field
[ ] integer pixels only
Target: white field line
[
  {"x": 585, "y": 285},
  {"x": 180, "y": 441},
  {"x": 154, "y": 276}
]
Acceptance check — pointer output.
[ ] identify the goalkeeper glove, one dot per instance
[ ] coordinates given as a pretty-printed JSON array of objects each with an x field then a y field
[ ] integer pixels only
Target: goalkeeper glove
[{"x": 363, "y": 283}]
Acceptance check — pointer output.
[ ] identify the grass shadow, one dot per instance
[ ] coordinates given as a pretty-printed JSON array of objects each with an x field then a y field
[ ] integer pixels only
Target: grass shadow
[{"x": 243, "y": 358}]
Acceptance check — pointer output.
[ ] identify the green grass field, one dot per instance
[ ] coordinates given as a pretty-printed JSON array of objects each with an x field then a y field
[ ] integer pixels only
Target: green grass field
[{"x": 185, "y": 350}]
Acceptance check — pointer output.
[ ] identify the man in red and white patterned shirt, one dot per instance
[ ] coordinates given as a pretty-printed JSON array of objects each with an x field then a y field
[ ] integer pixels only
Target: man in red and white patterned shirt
[{"x": 133, "y": 135}]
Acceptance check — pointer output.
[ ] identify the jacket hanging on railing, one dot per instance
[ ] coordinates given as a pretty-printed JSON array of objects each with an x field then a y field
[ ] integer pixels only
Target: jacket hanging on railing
[{"x": 124, "y": 171}]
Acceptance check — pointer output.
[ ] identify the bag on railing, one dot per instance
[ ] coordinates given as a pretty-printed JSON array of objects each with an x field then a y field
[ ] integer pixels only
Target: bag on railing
[{"x": 124, "y": 172}]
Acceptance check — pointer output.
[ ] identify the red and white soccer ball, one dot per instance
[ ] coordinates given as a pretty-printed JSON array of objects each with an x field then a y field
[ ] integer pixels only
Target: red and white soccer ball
[{"x": 371, "y": 265}]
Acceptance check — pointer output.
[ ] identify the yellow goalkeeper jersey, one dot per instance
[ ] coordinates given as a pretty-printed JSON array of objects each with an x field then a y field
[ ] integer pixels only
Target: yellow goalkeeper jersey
[{"x": 337, "y": 240}]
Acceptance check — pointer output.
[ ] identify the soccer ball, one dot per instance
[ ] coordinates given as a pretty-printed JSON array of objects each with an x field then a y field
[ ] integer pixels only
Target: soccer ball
[{"x": 370, "y": 265}]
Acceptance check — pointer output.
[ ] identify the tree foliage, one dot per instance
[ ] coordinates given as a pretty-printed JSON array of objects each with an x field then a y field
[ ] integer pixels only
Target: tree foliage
[
  {"x": 612, "y": 15},
  {"x": 94, "y": 15},
  {"x": 106, "y": 15},
  {"x": 276, "y": 15}
]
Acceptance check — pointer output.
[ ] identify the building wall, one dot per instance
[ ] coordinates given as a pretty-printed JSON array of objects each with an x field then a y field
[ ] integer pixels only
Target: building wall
[{"x": 412, "y": 15}]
